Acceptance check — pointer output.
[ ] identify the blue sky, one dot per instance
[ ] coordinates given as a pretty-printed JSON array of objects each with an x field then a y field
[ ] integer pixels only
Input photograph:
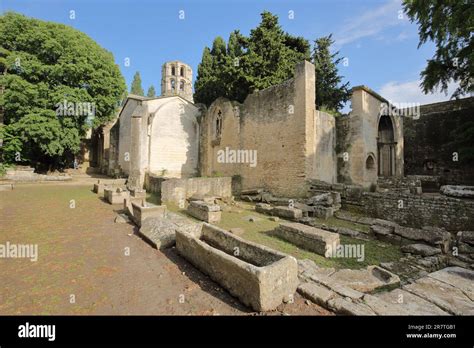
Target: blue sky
[{"x": 379, "y": 41}]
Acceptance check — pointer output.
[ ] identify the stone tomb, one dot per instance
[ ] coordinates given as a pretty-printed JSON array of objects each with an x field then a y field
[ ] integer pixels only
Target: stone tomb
[
  {"x": 99, "y": 188},
  {"x": 203, "y": 211},
  {"x": 260, "y": 277},
  {"x": 160, "y": 232},
  {"x": 144, "y": 210},
  {"x": 310, "y": 238},
  {"x": 115, "y": 195}
]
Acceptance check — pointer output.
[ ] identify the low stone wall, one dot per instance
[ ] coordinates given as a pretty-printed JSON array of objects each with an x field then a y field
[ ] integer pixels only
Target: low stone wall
[
  {"x": 453, "y": 214},
  {"x": 260, "y": 277},
  {"x": 176, "y": 190}
]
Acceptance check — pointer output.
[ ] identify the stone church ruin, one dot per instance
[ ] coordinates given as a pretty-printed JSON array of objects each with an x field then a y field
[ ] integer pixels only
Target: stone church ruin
[{"x": 311, "y": 168}]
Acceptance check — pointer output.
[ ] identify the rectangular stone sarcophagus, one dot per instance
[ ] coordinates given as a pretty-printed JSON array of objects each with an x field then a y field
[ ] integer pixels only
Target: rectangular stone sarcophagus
[
  {"x": 115, "y": 195},
  {"x": 310, "y": 238},
  {"x": 144, "y": 210},
  {"x": 203, "y": 211},
  {"x": 260, "y": 277}
]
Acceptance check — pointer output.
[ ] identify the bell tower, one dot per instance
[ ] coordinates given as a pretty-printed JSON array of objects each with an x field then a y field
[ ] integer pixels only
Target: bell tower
[{"x": 176, "y": 79}]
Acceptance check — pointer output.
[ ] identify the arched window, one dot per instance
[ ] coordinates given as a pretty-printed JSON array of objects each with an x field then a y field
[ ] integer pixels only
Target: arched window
[
  {"x": 219, "y": 124},
  {"x": 173, "y": 71},
  {"x": 181, "y": 86},
  {"x": 370, "y": 163},
  {"x": 181, "y": 71},
  {"x": 173, "y": 85}
]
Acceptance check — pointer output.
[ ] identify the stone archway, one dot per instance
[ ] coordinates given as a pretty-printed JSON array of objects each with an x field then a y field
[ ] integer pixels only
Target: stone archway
[{"x": 386, "y": 147}]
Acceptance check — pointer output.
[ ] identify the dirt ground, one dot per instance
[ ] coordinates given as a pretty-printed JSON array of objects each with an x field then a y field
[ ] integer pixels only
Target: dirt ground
[{"x": 83, "y": 266}]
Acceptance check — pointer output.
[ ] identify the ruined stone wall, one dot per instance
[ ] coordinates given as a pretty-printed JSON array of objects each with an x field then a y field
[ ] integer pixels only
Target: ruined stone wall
[
  {"x": 430, "y": 141},
  {"x": 124, "y": 135},
  {"x": 277, "y": 122},
  {"x": 325, "y": 161},
  {"x": 420, "y": 210},
  {"x": 357, "y": 136}
]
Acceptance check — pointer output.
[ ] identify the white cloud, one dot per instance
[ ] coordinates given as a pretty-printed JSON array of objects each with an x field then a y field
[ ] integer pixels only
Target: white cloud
[
  {"x": 410, "y": 92},
  {"x": 370, "y": 23}
]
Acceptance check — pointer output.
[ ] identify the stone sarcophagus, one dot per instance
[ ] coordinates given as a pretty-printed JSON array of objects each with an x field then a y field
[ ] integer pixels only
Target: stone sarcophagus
[
  {"x": 144, "y": 210},
  {"x": 260, "y": 277},
  {"x": 203, "y": 211},
  {"x": 310, "y": 238},
  {"x": 115, "y": 195}
]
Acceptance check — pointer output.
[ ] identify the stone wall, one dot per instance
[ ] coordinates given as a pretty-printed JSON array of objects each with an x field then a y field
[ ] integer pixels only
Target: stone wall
[
  {"x": 357, "y": 139},
  {"x": 431, "y": 140},
  {"x": 280, "y": 124},
  {"x": 176, "y": 190},
  {"x": 419, "y": 210}
]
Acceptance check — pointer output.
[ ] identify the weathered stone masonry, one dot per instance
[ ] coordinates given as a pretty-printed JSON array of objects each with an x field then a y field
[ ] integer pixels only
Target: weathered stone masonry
[{"x": 418, "y": 211}]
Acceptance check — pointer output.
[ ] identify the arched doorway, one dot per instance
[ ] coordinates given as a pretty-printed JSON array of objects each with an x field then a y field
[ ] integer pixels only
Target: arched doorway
[{"x": 386, "y": 147}]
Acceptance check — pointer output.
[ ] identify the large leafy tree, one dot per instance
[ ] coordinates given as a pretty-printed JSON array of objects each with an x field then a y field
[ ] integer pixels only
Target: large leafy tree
[
  {"x": 265, "y": 58},
  {"x": 46, "y": 66},
  {"x": 449, "y": 24},
  {"x": 331, "y": 94},
  {"x": 137, "y": 88}
]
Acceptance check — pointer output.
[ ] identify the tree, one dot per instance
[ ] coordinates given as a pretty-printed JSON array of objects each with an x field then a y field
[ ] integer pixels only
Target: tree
[
  {"x": 330, "y": 94},
  {"x": 58, "y": 83},
  {"x": 151, "y": 92},
  {"x": 265, "y": 58},
  {"x": 137, "y": 85},
  {"x": 449, "y": 24}
]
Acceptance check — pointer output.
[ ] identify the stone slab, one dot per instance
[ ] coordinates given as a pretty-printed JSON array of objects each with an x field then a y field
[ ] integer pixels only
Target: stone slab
[
  {"x": 412, "y": 304},
  {"x": 316, "y": 293},
  {"x": 420, "y": 249},
  {"x": 445, "y": 296},
  {"x": 460, "y": 278}
]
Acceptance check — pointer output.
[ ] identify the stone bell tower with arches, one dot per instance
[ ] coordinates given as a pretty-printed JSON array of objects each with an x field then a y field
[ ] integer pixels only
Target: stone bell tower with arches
[{"x": 176, "y": 79}]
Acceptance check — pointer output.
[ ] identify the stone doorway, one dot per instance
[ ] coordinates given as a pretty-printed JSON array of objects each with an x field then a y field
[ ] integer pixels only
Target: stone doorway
[{"x": 386, "y": 147}]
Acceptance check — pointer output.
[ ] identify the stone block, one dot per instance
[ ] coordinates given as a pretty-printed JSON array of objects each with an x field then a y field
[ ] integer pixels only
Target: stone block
[
  {"x": 466, "y": 237},
  {"x": 323, "y": 212},
  {"x": 115, "y": 195},
  {"x": 344, "y": 307},
  {"x": 307, "y": 237},
  {"x": 316, "y": 293},
  {"x": 141, "y": 212},
  {"x": 161, "y": 232},
  {"x": 263, "y": 208},
  {"x": 420, "y": 249},
  {"x": 458, "y": 277},
  {"x": 260, "y": 277},
  {"x": 203, "y": 211},
  {"x": 287, "y": 212}
]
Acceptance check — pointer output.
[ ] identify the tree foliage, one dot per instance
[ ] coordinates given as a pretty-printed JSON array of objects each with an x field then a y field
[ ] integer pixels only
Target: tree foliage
[
  {"x": 449, "y": 24},
  {"x": 151, "y": 92},
  {"x": 330, "y": 93},
  {"x": 44, "y": 67},
  {"x": 137, "y": 88},
  {"x": 246, "y": 64}
]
